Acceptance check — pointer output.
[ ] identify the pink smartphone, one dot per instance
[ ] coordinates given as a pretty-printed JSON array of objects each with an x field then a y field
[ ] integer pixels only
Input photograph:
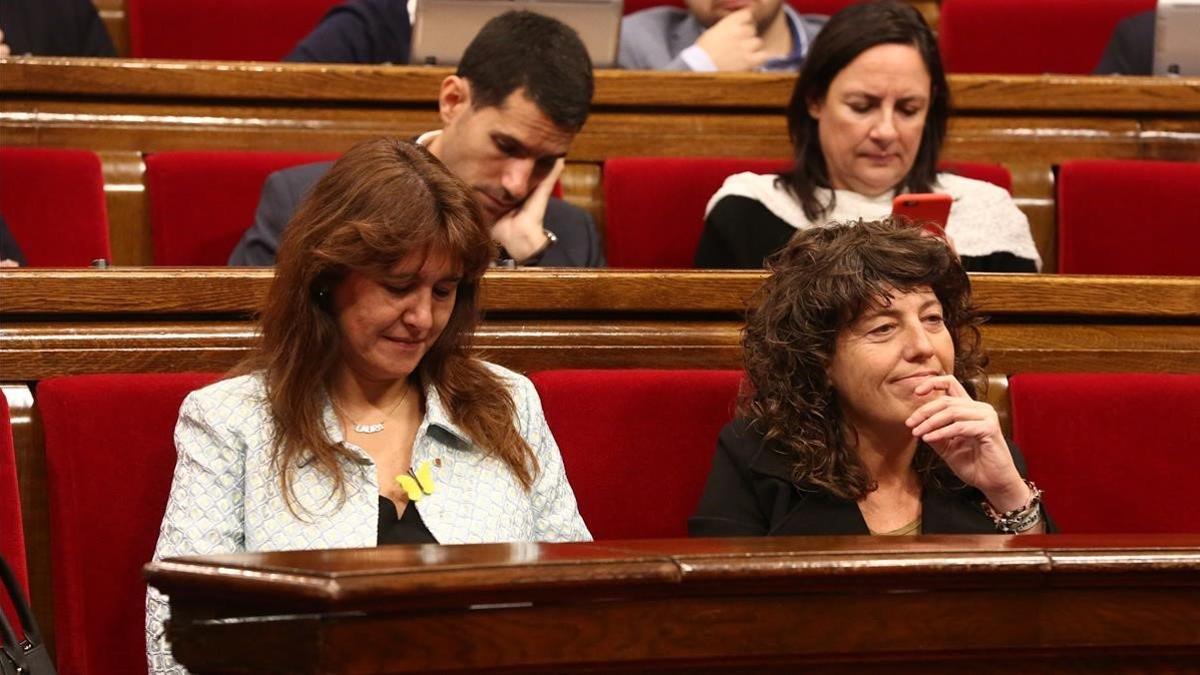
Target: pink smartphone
[{"x": 924, "y": 209}]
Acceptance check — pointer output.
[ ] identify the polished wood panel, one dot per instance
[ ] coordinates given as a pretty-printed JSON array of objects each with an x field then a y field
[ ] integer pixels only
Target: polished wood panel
[
  {"x": 60, "y": 322},
  {"x": 1028, "y": 123},
  {"x": 831, "y": 604}
]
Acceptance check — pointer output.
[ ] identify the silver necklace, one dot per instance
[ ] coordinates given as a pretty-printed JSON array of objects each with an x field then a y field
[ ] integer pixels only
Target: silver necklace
[{"x": 371, "y": 428}]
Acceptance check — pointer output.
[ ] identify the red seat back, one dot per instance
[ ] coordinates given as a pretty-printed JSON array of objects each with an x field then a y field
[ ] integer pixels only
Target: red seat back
[
  {"x": 637, "y": 444},
  {"x": 53, "y": 202},
  {"x": 12, "y": 532},
  {"x": 201, "y": 203},
  {"x": 1128, "y": 217},
  {"x": 654, "y": 206},
  {"x": 228, "y": 30},
  {"x": 110, "y": 456},
  {"x": 1029, "y": 36},
  {"x": 1114, "y": 453}
]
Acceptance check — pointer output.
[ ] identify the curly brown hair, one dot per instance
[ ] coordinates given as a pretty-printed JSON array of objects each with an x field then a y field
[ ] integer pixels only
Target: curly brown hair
[{"x": 820, "y": 282}]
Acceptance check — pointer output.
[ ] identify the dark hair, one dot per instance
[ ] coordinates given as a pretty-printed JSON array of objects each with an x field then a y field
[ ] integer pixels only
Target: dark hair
[
  {"x": 849, "y": 33},
  {"x": 820, "y": 282},
  {"x": 538, "y": 53},
  {"x": 382, "y": 201}
]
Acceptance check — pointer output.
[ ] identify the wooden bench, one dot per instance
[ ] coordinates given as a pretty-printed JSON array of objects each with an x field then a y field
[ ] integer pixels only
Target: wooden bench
[{"x": 124, "y": 109}]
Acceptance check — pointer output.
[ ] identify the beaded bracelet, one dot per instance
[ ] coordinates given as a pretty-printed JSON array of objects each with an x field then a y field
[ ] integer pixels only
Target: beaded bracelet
[{"x": 1021, "y": 519}]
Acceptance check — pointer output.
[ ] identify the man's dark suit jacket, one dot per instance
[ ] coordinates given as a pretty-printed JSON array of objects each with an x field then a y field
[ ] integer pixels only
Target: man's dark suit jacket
[
  {"x": 1130, "y": 50},
  {"x": 750, "y": 493},
  {"x": 578, "y": 244},
  {"x": 54, "y": 28},
  {"x": 359, "y": 31}
]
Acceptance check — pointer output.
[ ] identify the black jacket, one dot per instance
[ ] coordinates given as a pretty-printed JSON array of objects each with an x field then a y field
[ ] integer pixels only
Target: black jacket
[
  {"x": 359, "y": 31},
  {"x": 750, "y": 493},
  {"x": 54, "y": 28},
  {"x": 1130, "y": 50}
]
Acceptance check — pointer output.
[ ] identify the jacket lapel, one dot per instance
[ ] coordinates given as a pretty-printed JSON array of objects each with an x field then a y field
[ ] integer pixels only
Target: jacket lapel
[{"x": 815, "y": 512}]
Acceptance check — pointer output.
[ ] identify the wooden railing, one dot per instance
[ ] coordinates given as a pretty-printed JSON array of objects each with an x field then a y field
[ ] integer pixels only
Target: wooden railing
[
  {"x": 983, "y": 604},
  {"x": 126, "y": 108}
]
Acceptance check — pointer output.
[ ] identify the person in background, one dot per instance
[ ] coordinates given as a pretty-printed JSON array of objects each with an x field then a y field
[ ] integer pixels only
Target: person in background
[
  {"x": 509, "y": 114},
  {"x": 713, "y": 35},
  {"x": 1130, "y": 50},
  {"x": 359, "y": 31},
  {"x": 867, "y": 118},
  {"x": 10, "y": 252},
  {"x": 363, "y": 417},
  {"x": 858, "y": 414},
  {"x": 52, "y": 28}
]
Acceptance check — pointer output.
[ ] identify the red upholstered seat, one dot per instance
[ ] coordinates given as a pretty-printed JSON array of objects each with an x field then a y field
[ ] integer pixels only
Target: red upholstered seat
[
  {"x": 53, "y": 202},
  {"x": 1029, "y": 36},
  {"x": 201, "y": 203},
  {"x": 110, "y": 456},
  {"x": 1128, "y": 217},
  {"x": 1114, "y": 453},
  {"x": 12, "y": 532},
  {"x": 230, "y": 30},
  {"x": 654, "y": 206},
  {"x": 637, "y": 444}
]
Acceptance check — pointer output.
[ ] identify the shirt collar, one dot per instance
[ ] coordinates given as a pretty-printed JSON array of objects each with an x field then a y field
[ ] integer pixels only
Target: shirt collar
[
  {"x": 436, "y": 417},
  {"x": 799, "y": 43},
  {"x": 426, "y": 138}
]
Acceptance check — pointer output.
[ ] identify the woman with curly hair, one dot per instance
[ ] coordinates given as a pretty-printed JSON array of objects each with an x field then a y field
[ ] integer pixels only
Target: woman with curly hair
[{"x": 858, "y": 415}]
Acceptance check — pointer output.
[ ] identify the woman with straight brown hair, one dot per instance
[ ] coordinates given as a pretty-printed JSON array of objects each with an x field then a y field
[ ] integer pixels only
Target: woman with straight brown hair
[{"x": 363, "y": 418}]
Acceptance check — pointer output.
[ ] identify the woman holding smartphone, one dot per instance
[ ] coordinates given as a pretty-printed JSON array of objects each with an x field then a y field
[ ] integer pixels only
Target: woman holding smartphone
[{"x": 867, "y": 119}]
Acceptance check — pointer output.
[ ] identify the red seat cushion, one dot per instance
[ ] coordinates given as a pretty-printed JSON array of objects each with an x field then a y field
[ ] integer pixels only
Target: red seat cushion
[
  {"x": 654, "y": 206},
  {"x": 110, "y": 456},
  {"x": 12, "y": 532},
  {"x": 1114, "y": 453},
  {"x": 201, "y": 203},
  {"x": 231, "y": 30},
  {"x": 1029, "y": 36},
  {"x": 53, "y": 202},
  {"x": 637, "y": 444},
  {"x": 1128, "y": 217}
]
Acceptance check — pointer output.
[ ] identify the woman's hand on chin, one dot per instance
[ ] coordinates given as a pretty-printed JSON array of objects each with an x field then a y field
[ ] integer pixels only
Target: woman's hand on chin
[{"x": 966, "y": 433}]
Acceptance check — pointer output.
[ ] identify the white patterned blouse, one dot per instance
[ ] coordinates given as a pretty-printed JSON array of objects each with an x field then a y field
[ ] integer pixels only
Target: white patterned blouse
[{"x": 225, "y": 496}]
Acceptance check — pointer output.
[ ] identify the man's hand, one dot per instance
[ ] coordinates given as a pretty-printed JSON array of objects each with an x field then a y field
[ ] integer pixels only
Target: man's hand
[
  {"x": 521, "y": 231},
  {"x": 4, "y": 50},
  {"x": 733, "y": 43}
]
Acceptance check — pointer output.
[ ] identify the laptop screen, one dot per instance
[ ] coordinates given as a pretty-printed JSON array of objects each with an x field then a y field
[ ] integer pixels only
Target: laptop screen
[
  {"x": 443, "y": 28},
  {"x": 1177, "y": 38}
]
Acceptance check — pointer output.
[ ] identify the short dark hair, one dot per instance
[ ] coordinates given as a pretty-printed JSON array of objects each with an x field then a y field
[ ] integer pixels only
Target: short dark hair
[
  {"x": 541, "y": 54},
  {"x": 849, "y": 33},
  {"x": 820, "y": 283}
]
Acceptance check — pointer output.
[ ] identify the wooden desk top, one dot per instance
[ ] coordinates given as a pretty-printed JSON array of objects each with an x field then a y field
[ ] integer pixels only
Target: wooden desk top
[{"x": 927, "y": 604}]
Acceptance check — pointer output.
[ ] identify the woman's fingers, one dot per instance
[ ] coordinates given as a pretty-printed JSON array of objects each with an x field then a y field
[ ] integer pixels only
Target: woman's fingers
[
  {"x": 955, "y": 411},
  {"x": 946, "y": 383}
]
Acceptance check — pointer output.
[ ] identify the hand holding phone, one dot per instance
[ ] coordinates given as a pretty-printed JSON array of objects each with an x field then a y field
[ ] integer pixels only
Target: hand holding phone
[{"x": 928, "y": 210}]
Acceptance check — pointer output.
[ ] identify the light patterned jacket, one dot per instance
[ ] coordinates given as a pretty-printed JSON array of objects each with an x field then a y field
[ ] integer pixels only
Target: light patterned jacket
[{"x": 225, "y": 496}]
